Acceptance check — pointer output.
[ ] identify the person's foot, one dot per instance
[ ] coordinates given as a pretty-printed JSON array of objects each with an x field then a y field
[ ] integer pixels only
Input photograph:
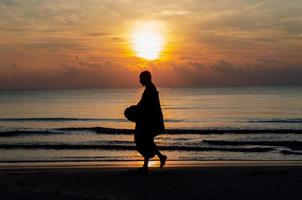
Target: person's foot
[{"x": 162, "y": 161}]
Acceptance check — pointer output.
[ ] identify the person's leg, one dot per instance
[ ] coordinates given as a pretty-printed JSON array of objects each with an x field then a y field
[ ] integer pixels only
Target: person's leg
[
  {"x": 146, "y": 161},
  {"x": 162, "y": 158}
]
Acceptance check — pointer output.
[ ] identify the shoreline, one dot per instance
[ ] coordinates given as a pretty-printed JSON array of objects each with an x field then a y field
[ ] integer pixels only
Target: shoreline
[{"x": 119, "y": 164}]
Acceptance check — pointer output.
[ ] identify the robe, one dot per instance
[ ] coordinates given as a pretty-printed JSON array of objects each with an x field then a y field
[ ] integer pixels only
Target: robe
[{"x": 149, "y": 123}]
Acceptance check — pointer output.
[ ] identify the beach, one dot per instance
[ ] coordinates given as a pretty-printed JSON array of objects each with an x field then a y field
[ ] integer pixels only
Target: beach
[{"x": 179, "y": 180}]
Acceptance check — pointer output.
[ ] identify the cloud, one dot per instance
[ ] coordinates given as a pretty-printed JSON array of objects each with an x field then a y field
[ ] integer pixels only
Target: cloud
[
  {"x": 94, "y": 75},
  {"x": 95, "y": 65},
  {"x": 175, "y": 12},
  {"x": 268, "y": 60},
  {"x": 268, "y": 72},
  {"x": 9, "y": 2},
  {"x": 74, "y": 43},
  {"x": 11, "y": 66},
  {"x": 109, "y": 75},
  {"x": 97, "y": 34},
  {"x": 51, "y": 45}
]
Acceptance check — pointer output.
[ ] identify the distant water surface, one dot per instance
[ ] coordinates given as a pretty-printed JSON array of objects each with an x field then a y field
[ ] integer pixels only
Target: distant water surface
[{"x": 202, "y": 124}]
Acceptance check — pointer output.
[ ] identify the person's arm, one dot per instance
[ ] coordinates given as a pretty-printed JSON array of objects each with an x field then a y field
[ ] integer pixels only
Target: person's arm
[
  {"x": 143, "y": 99},
  {"x": 140, "y": 103}
]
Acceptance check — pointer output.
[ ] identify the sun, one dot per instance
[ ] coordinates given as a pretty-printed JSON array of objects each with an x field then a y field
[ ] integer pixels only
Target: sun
[
  {"x": 147, "y": 45},
  {"x": 147, "y": 41}
]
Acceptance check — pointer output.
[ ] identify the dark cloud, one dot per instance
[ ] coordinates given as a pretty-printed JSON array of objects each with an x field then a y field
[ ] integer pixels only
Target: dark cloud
[
  {"x": 51, "y": 45},
  {"x": 224, "y": 73},
  {"x": 95, "y": 75},
  {"x": 196, "y": 64},
  {"x": 71, "y": 71},
  {"x": 14, "y": 66},
  {"x": 9, "y": 2},
  {"x": 268, "y": 60},
  {"x": 70, "y": 76},
  {"x": 95, "y": 65},
  {"x": 109, "y": 75},
  {"x": 116, "y": 38},
  {"x": 28, "y": 30},
  {"x": 11, "y": 66},
  {"x": 96, "y": 34}
]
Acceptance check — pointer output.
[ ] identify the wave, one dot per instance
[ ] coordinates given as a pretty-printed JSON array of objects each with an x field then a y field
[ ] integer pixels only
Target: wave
[
  {"x": 66, "y": 119},
  {"x": 287, "y": 152},
  {"x": 234, "y": 131},
  {"x": 189, "y": 131},
  {"x": 104, "y": 130},
  {"x": 197, "y": 107},
  {"x": 62, "y": 131},
  {"x": 24, "y": 132},
  {"x": 276, "y": 121},
  {"x": 59, "y": 119},
  {"x": 129, "y": 147},
  {"x": 289, "y": 144}
]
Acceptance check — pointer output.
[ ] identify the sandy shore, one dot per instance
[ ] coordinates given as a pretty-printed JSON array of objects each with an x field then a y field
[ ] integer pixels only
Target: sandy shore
[{"x": 189, "y": 180}]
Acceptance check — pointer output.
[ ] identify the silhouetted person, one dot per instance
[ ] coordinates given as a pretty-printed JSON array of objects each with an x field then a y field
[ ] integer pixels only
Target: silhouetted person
[{"x": 149, "y": 123}]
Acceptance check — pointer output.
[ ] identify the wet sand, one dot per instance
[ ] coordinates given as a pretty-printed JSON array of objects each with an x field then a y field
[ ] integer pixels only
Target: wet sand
[{"x": 179, "y": 180}]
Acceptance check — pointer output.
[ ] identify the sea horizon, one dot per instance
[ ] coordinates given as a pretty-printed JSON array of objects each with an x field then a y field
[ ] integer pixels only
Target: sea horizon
[{"x": 138, "y": 86}]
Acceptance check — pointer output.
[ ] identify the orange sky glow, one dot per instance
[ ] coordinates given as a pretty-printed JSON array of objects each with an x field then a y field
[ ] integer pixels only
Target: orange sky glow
[{"x": 102, "y": 43}]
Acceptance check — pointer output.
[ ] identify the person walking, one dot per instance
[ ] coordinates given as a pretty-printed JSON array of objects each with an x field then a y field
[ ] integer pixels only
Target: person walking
[{"x": 149, "y": 122}]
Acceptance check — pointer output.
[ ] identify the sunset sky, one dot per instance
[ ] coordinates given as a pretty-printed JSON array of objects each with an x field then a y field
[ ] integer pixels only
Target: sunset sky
[{"x": 95, "y": 43}]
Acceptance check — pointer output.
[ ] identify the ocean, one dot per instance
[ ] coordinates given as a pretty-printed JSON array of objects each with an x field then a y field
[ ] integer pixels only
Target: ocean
[{"x": 223, "y": 123}]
